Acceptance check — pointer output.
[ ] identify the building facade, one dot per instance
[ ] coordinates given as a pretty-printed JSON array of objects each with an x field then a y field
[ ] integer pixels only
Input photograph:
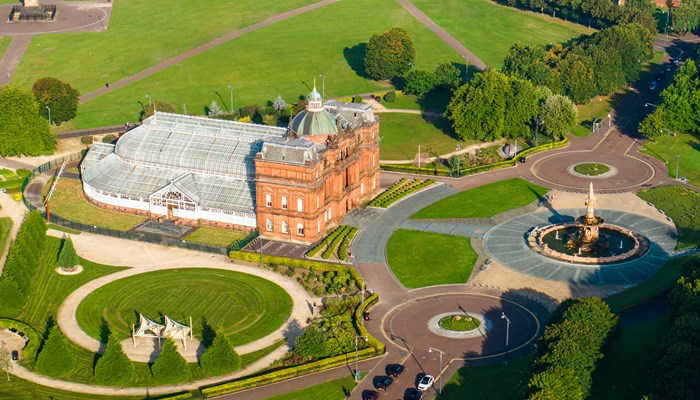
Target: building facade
[{"x": 291, "y": 183}]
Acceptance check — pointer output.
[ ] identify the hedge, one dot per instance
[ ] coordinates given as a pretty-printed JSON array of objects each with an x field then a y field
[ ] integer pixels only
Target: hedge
[
  {"x": 360, "y": 326},
  {"x": 343, "y": 249},
  {"x": 404, "y": 193},
  {"x": 336, "y": 241},
  {"x": 286, "y": 373},
  {"x": 181, "y": 396},
  {"x": 30, "y": 350},
  {"x": 322, "y": 245},
  {"x": 297, "y": 263}
]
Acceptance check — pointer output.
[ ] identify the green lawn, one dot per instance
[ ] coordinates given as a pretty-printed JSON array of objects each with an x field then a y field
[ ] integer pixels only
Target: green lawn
[
  {"x": 488, "y": 29},
  {"x": 293, "y": 53},
  {"x": 402, "y": 133},
  {"x": 245, "y": 306},
  {"x": 5, "y": 227},
  {"x": 502, "y": 382},
  {"x": 19, "y": 389},
  {"x": 434, "y": 258},
  {"x": 69, "y": 202},
  {"x": 624, "y": 372},
  {"x": 4, "y": 43},
  {"x": 592, "y": 169},
  {"x": 131, "y": 45},
  {"x": 681, "y": 204},
  {"x": 484, "y": 201},
  {"x": 683, "y": 148},
  {"x": 332, "y": 390},
  {"x": 434, "y": 101},
  {"x": 215, "y": 236}
]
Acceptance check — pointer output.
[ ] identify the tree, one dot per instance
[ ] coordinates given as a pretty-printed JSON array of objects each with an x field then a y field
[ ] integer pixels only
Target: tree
[
  {"x": 279, "y": 104},
  {"x": 686, "y": 16},
  {"x": 478, "y": 107},
  {"x": 311, "y": 343},
  {"x": 214, "y": 109},
  {"x": 558, "y": 115},
  {"x": 158, "y": 105},
  {"x": 652, "y": 126},
  {"x": 57, "y": 95},
  {"x": 220, "y": 358},
  {"x": 55, "y": 357},
  {"x": 67, "y": 258},
  {"x": 419, "y": 82},
  {"x": 389, "y": 54},
  {"x": 22, "y": 129},
  {"x": 556, "y": 383},
  {"x": 170, "y": 367},
  {"x": 114, "y": 367},
  {"x": 447, "y": 76}
]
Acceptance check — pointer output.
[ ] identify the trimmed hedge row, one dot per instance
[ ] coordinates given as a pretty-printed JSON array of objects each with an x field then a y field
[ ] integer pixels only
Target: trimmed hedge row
[
  {"x": 474, "y": 170},
  {"x": 396, "y": 187},
  {"x": 297, "y": 263},
  {"x": 360, "y": 326},
  {"x": 30, "y": 350},
  {"x": 181, "y": 396},
  {"x": 336, "y": 241},
  {"x": 322, "y": 245},
  {"x": 405, "y": 193},
  {"x": 287, "y": 373},
  {"x": 343, "y": 249}
]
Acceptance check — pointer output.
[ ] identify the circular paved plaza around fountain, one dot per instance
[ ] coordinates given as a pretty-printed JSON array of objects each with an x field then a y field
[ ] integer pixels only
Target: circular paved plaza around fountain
[{"x": 506, "y": 243}]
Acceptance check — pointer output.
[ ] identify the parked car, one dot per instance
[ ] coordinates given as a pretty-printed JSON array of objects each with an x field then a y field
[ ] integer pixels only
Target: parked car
[
  {"x": 426, "y": 382},
  {"x": 652, "y": 85},
  {"x": 370, "y": 395},
  {"x": 382, "y": 382},
  {"x": 412, "y": 394},
  {"x": 15, "y": 355},
  {"x": 394, "y": 370},
  {"x": 660, "y": 76},
  {"x": 668, "y": 67}
]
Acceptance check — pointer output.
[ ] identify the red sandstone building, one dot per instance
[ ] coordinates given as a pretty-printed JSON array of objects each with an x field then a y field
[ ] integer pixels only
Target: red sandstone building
[{"x": 291, "y": 184}]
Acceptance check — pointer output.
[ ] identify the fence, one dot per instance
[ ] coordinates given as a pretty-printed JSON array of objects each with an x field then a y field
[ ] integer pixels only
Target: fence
[{"x": 91, "y": 131}]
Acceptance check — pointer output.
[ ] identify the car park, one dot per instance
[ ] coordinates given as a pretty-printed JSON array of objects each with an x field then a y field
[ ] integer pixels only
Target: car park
[
  {"x": 394, "y": 370},
  {"x": 652, "y": 85},
  {"x": 15, "y": 355},
  {"x": 382, "y": 382},
  {"x": 412, "y": 394},
  {"x": 426, "y": 382},
  {"x": 370, "y": 395}
]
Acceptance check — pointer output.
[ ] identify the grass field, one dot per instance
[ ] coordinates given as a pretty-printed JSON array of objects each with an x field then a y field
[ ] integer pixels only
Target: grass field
[
  {"x": 402, "y": 133},
  {"x": 4, "y": 43},
  {"x": 502, "y": 382},
  {"x": 591, "y": 169},
  {"x": 436, "y": 100},
  {"x": 683, "y": 145},
  {"x": 19, "y": 389},
  {"x": 140, "y": 34},
  {"x": 246, "y": 307},
  {"x": 488, "y": 29},
  {"x": 5, "y": 227},
  {"x": 434, "y": 258},
  {"x": 624, "y": 373},
  {"x": 288, "y": 62},
  {"x": 215, "y": 236},
  {"x": 484, "y": 201},
  {"x": 332, "y": 390},
  {"x": 68, "y": 202},
  {"x": 681, "y": 204}
]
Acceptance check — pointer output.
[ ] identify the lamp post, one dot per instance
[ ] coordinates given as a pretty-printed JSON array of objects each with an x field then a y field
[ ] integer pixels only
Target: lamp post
[
  {"x": 357, "y": 360},
  {"x": 148, "y": 96},
  {"x": 459, "y": 147},
  {"x": 323, "y": 86},
  {"x": 411, "y": 64},
  {"x": 49, "y": 109},
  {"x": 230, "y": 89},
  {"x": 668, "y": 140},
  {"x": 466, "y": 68},
  {"x": 430, "y": 350},
  {"x": 537, "y": 131},
  {"x": 504, "y": 316},
  {"x": 666, "y": 27},
  {"x": 678, "y": 161}
]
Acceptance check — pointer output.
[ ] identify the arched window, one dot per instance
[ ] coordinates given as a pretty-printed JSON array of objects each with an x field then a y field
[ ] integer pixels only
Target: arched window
[
  {"x": 285, "y": 227},
  {"x": 300, "y": 229},
  {"x": 300, "y": 205},
  {"x": 268, "y": 224},
  {"x": 284, "y": 202},
  {"x": 268, "y": 200}
]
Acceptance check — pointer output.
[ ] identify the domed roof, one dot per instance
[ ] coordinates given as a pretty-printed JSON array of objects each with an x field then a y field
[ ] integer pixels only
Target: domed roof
[
  {"x": 314, "y": 96},
  {"x": 311, "y": 123}
]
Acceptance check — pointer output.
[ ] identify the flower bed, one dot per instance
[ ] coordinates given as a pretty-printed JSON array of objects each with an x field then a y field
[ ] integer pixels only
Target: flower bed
[
  {"x": 459, "y": 323},
  {"x": 399, "y": 190}
]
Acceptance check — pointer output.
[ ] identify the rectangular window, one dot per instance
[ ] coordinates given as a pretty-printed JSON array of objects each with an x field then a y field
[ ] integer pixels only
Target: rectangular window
[
  {"x": 300, "y": 229},
  {"x": 300, "y": 205},
  {"x": 268, "y": 200},
  {"x": 284, "y": 202},
  {"x": 268, "y": 225},
  {"x": 285, "y": 227}
]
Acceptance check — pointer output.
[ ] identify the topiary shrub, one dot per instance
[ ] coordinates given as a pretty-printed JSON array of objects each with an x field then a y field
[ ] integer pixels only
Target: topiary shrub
[
  {"x": 109, "y": 139},
  {"x": 67, "y": 258},
  {"x": 220, "y": 358},
  {"x": 55, "y": 358},
  {"x": 357, "y": 99},
  {"x": 170, "y": 367},
  {"x": 86, "y": 140},
  {"x": 390, "y": 97},
  {"x": 114, "y": 367}
]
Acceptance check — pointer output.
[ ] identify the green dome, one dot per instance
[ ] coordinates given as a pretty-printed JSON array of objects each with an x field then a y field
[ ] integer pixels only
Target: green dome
[
  {"x": 314, "y": 96},
  {"x": 311, "y": 123}
]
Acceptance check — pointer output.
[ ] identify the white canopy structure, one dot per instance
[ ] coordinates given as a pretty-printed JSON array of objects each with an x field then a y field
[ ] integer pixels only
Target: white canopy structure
[{"x": 172, "y": 329}]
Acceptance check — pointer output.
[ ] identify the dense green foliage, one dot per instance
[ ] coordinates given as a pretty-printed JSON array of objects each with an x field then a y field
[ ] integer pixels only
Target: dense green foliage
[
  {"x": 59, "y": 96},
  {"x": 170, "y": 367},
  {"x": 421, "y": 81},
  {"x": 21, "y": 264},
  {"x": 570, "y": 349},
  {"x": 22, "y": 129},
  {"x": 389, "y": 54},
  {"x": 557, "y": 116},
  {"x": 55, "y": 358},
  {"x": 220, "y": 358},
  {"x": 67, "y": 257},
  {"x": 158, "y": 105},
  {"x": 685, "y": 16},
  {"x": 113, "y": 367},
  {"x": 680, "y": 105},
  {"x": 676, "y": 372},
  {"x": 592, "y": 65}
]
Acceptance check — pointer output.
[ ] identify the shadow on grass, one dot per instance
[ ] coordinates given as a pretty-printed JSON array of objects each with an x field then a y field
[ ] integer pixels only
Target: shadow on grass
[{"x": 355, "y": 57}]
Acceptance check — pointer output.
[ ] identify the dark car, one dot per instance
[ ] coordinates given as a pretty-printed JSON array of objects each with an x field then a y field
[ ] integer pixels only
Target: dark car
[
  {"x": 660, "y": 76},
  {"x": 382, "y": 382},
  {"x": 370, "y": 395},
  {"x": 394, "y": 370},
  {"x": 412, "y": 394},
  {"x": 15, "y": 355}
]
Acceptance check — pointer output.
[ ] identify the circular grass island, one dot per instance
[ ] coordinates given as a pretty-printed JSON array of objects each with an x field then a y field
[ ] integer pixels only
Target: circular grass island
[
  {"x": 245, "y": 307},
  {"x": 459, "y": 323},
  {"x": 591, "y": 169}
]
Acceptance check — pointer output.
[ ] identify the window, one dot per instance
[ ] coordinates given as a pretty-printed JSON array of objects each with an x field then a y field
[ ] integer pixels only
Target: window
[
  {"x": 300, "y": 229},
  {"x": 268, "y": 224},
  {"x": 300, "y": 205},
  {"x": 268, "y": 200},
  {"x": 284, "y": 202},
  {"x": 285, "y": 227}
]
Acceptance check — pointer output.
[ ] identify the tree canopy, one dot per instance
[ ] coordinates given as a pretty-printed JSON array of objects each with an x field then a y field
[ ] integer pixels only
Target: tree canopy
[
  {"x": 59, "y": 96},
  {"x": 220, "y": 358},
  {"x": 67, "y": 257},
  {"x": 55, "y": 358},
  {"x": 114, "y": 367},
  {"x": 170, "y": 367},
  {"x": 22, "y": 129},
  {"x": 389, "y": 54}
]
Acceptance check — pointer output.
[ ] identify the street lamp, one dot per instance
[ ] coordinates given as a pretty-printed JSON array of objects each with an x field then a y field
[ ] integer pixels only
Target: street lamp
[
  {"x": 230, "y": 89},
  {"x": 430, "y": 350},
  {"x": 459, "y": 147},
  {"x": 504, "y": 316},
  {"x": 150, "y": 100},
  {"x": 357, "y": 360},
  {"x": 323, "y": 86},
  {"x": 668, "y": 140},
  {"x": 466, "y": 68},
  {"x": 49, "y": 108},
  {"x": 678, "y": 161},
  {"x": 666, "y": 27},
  {"x": 537, "y": 130},
  {"x": 411, "y": 64}
]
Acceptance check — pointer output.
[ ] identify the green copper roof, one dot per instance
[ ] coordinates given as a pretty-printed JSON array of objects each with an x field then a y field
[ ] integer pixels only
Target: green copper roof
[{"x": 312, "y": 123}]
